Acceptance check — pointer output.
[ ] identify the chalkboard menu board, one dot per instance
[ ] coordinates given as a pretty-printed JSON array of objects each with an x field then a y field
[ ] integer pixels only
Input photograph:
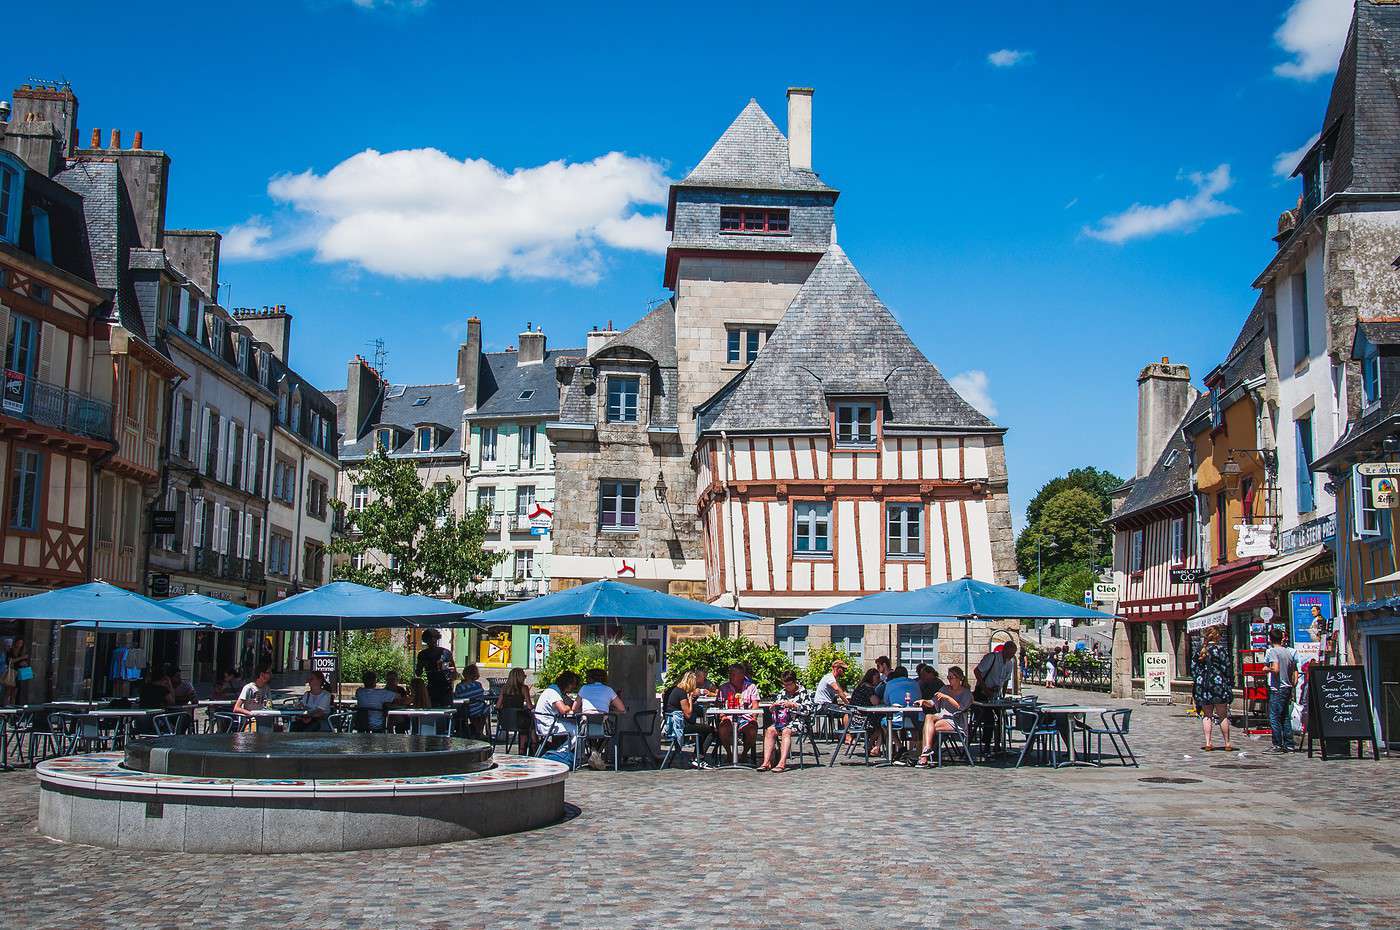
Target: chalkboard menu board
[{"x": 1339, "y": 707}]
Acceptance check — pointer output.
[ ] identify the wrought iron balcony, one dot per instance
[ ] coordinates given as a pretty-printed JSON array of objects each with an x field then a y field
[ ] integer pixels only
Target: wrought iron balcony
[{"x": 59, "y": 408}]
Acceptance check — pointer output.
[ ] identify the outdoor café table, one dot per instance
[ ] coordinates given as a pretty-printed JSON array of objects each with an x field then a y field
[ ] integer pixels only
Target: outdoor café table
[
  {"x": 1000, "y": 709},
  {"x": 754, "y": 712},
  {"x": 1068, "y": 713},
  {"x": 421, "y": 719},
  {"x": 275, "y": 715}
]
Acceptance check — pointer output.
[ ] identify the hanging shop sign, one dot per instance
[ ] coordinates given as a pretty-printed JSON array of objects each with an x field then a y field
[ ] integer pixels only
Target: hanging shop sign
[
  {"x": 1315, "y": 532},
  {"x": 1188, "y": 575},
  {"x": 1372, "y": 469},
  {"x": 1385, "y": 492},
  {"x": 1253, "y": 539},
  {"x": 1218, "y": 618}
]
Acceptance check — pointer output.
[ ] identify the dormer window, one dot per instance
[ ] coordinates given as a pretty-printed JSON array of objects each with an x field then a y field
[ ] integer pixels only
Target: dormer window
[
  {"x": 753, "y": 220},
  {"x": 420, "y": 400},
  {"x": 1217, "y": 416},
  {"x": 43, "y": 246},
  {"x": 384, "y": 439},
  {"x": 622, "y": 399},
  {"x": 426, "y": 439},
  {"x": 1371, "y": 376},
  {"x": 10, "y": 180},
  {"x": 855, "y": 424}
]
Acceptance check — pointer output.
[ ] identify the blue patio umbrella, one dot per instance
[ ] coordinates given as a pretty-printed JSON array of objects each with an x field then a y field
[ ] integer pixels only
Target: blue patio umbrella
[
  {"x": 966, "y": 599},
  {"x": 213, "y": 609},
  {"x": 344, "y": 605},
  {"x": 609, "y": 601},
  {"x": 99, "y": 606}
]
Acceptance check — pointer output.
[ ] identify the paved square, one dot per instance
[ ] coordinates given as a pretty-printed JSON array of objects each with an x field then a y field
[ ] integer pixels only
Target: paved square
[{"x": 1254, "y": 841}]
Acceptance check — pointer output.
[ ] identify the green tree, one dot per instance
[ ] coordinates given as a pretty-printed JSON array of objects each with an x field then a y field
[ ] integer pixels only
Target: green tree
[
  {"x": 409, "y": 537},
  {"x": 566, "y": 655},
  {"x": 1065, "y": 535}
]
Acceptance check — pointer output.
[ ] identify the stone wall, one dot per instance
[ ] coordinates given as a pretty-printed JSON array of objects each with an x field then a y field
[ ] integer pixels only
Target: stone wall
[{"x": 1002, "y": 537}]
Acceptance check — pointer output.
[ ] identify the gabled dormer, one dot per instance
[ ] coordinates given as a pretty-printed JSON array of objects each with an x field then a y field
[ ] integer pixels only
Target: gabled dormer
[{"x": 1376, "y": 346}]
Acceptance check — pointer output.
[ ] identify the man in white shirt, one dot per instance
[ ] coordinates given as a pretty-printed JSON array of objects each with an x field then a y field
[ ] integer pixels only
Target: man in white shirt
[
  {"x": 374, "y": 700},
  {"x": 553, "y": 707},
  {"x": 829, "y": 690},
  {"x": 317, "y": 706},
  {"x": 254, "y": 695},
  {"x": 993, "y": 674},
  {"x": 597, "y": 697}
]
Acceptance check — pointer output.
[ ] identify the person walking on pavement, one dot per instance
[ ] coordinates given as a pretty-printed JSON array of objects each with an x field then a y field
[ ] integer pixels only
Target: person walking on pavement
[
  {"x": 1213, "y": 675},
  {"x": 1282, "y": 663}
]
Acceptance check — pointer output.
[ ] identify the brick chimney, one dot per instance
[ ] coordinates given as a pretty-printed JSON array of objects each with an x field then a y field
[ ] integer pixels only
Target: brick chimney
[
  {"x": 799, "y": 127},
  {"x": 362, "y": 388},
  {"x": 146, "y": 177},
  {"x": 469, "y": 364},
  {"x": 1164, "y": 394},
  {"x": 597, "y": 338},
  {"x": 531, "y": 347},
  {"x": 272, "y": 325}
]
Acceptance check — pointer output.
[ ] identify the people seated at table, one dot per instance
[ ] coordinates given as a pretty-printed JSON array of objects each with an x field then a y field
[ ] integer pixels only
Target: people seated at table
[
  {"x": 947, "y": 711},
  {"x": 371, "y": 701},
  {"x": 901, "y": 691},
  {"x": 990, "y": 678},
  {"x": 864, "y": 695},
  {"x": 882, "y": 665},
  {"x": 553, "y": 710},
  {"x": 392, "y": 683},
  {"x": 515, "y": 695},
  {"x": 829, "y": 690},
  {"x": 154, "y": 690},
  {"x": 254, "y": 695},
  {"x": 741, "y": 691},
  {"x": 226, "y": 686},
  {"x": 181, "y": 691},
  {"x": 685, "y": 715},
  {"x": 929, "y": 680},
  {"x": 790, "y": 712},
  {"x": 316, "y": 706},
  {"x": 597, "y": 697},
  {"x": 435, "y": 666},
  {"x": 475, "y": 712}
]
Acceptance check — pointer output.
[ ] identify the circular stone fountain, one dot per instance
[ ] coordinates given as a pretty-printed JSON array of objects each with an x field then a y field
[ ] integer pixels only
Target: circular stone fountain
[{"x": 295, "y": 792}]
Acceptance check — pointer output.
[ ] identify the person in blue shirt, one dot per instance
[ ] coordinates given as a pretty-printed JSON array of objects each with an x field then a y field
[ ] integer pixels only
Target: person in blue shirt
[
  {"x": 901, "y": 690},
  {"x": 475, "y": 711}
]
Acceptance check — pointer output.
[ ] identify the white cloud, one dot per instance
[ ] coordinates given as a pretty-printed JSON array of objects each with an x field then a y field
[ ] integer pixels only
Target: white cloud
[
  {"x": 420, "y": 213},
  {"x": 1313, "y": 32},
  {"x": 1285, "y": 162},
  {"x": 1184, "y": 214},
  {"x": 1008, "y": 57},
  {"x": 390, "y": 4},
  {"x": 972, "y": 385}
]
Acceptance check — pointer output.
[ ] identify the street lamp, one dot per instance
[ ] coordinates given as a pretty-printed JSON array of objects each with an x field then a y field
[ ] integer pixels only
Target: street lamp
[{"x": 661, "y": 487}]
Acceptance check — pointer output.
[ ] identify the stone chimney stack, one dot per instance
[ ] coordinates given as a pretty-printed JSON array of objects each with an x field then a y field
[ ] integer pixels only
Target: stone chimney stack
[
  {"x": 55, "y": 104},
  {"x": 362, "y": 388},
  {"x": 799, "y": 127},
  {"x": 145, "y": 175},
  {"x": 531, "y": 347},
  {"x": 272, "y": 325},
  {"x": 469, "y": 364},
  {"x": 597, "y": 338},
  {"x": 1164, "y": 394}
]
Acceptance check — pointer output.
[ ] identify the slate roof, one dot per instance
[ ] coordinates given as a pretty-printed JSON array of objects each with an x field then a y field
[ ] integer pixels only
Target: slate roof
[
  {"x": 654, "y": 338},
  {"x": 68, "y": 240},
  {"x": 503, "y": 381},
  {"x": 1246, "y": 359},
  {"x": 109, "y": 223},
  {"x": 1170, "y": 477},
  {"x": 752, "y": 153},
  {"x": 396, "y": 408},
  {"x": 836, "y": 337},
  {"x": 654, "y": 334},
  {"x": 1364, "y": 105}
]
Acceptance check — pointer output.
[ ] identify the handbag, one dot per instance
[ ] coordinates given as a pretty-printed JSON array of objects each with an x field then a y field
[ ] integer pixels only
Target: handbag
[
  {"x": 24, "y": 673},
  {"x": 7, "y": 678}
]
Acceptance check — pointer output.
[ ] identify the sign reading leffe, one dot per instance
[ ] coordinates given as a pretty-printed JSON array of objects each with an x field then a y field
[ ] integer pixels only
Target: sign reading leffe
[
  {"x": 1385, "y": 492},
  {"x": 1156, "y": 675}
]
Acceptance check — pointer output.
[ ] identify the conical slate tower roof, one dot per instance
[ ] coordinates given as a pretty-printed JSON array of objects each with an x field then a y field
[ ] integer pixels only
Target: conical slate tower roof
[
  {"x": 837, "y": 339},
  {"x": 753, "y": 154}
]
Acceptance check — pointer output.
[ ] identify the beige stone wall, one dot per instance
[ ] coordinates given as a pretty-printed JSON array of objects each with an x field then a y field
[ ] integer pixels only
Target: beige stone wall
[
  {"x": 714, "y": 291},
  {"x": 1003, "y": 538}
]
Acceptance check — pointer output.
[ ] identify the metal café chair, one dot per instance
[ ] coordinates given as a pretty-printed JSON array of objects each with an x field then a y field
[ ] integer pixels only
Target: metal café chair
[
  {"x": 173, "y": 724},
  {"x": 517, "y": 727},
  {"x": 227, "y": 722},
  {"x": 438, "y": 725},
  {"x": 858, "y": 727},
  {"x": 85, "y": 732},
  {"x": 676, "y": 742},
  {"x": 47, "y": 730},
  {"x": 805, "y": 738},
  {"x": 1036, "y": 735},
  {"x": 957, "y": 738},
  {"x": 1115, "y": 727},
  {"x": 595, "y": 730},
  {"x": 341, "y": 721},
  {"x": 639, "y": 735},
  {"x": 555, "y": 730}
]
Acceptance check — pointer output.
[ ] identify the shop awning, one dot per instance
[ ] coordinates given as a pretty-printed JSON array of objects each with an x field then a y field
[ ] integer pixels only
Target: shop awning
[
  {"x": 1273, "y": 572},
  {"x": 1385, "y": 579}
]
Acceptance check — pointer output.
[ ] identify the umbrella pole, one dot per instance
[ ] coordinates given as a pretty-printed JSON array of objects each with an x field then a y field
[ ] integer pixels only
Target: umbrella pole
[
  {"x": 339, "y": 645},
  {"x": 966, "y": 628},
  {"x": 92, "y": 678}
]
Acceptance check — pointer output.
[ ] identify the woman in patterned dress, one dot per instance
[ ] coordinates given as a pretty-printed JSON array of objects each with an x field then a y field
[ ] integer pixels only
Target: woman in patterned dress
[
  {"x": 1213, "y": 675},
  {"x": 791, "y": 712}
]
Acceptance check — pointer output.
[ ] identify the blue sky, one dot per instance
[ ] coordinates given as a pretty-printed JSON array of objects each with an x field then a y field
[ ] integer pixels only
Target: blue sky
[{"x": 990, "y": 158}]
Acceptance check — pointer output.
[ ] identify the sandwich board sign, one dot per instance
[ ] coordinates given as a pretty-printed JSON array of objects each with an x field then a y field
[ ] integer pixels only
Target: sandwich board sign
[{"x": 1156, "y": 676}]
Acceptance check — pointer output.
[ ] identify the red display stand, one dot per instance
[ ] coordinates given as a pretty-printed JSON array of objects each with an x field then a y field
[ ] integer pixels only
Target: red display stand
[{"x": 1254, "y": 684}]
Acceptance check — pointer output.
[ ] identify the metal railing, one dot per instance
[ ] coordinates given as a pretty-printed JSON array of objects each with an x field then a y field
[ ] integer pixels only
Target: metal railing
[{"x": 60, "y": 408}]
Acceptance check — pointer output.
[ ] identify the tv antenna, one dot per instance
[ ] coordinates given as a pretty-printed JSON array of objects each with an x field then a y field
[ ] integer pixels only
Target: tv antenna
[{"x": 381, "y": 357}]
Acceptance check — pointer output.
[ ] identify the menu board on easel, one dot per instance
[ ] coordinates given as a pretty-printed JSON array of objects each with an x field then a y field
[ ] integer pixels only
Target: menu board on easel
[{"x": 1339, "y": 708}]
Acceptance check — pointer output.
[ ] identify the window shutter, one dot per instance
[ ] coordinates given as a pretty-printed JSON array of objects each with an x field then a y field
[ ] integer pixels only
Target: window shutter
[
  {"x": 247, "y": 534},
  {"x": 201, "y": 443},
  {"x": 221, "y": 452},
  {"x": 5, "y": 332},
  {"x": 48, "y": 337},
  {"x": 199, "y": 524},
  {"x": 177, "y": 418},
  {"x": 1305, "y": 488}
]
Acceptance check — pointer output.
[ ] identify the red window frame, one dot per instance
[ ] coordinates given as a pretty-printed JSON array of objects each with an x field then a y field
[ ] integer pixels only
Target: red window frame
[{"x": 770, "y": 220}]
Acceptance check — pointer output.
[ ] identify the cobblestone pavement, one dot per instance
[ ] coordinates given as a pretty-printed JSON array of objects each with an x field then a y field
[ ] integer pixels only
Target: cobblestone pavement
[{"x": 1251, "y": 841}]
